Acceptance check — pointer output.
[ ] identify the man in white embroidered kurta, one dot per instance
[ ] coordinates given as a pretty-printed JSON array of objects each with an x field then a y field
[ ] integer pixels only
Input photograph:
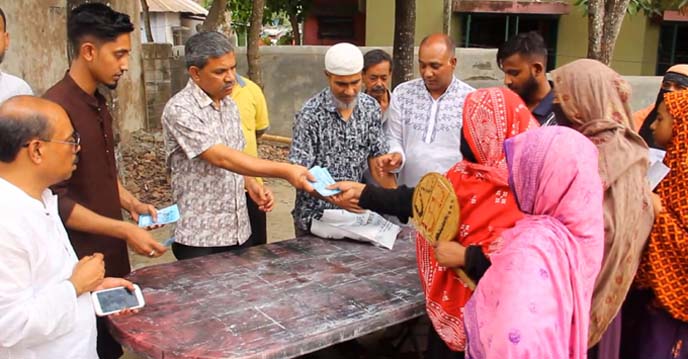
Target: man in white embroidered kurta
[
  {"x": 45, "y": 307},
  {"x": 424, "y": 120}
]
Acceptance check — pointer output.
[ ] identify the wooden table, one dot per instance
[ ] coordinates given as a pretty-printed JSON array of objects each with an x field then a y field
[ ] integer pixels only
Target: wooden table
[{"x": 280, "y": 300}]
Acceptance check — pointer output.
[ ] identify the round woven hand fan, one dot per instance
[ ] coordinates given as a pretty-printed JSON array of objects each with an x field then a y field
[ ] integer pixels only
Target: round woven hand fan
[{"x": 436, "y": 213}]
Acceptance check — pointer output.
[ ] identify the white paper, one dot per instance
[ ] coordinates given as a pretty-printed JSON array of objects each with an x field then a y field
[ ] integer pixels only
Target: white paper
[
  {"x": 658, "y": 170},
  {"x": 366, "y": 227},
  {"x": 656, "y": 155}
]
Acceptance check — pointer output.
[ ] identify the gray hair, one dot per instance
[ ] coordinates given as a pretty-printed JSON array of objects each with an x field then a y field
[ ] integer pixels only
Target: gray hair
[{"x": 205, "y": 45}]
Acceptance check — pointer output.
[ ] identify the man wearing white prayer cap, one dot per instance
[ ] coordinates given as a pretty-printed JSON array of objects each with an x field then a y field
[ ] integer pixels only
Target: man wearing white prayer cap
[{"x": 339, "y": 129}]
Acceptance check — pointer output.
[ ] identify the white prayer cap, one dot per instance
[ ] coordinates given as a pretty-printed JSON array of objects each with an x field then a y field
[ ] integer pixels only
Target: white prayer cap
[{"x": 343, "y": 59}]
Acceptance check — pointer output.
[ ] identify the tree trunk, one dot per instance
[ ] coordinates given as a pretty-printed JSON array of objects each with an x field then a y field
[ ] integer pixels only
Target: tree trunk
[
  {"x": 294, "y": 21},
  {"x": 613, "y": 18},
  {"x": 404, "y": 31},
  {"x": 216, "y": 16},
  {"x": 253, "y": 46},
  {"x": 604, "y": 24},
  {"x": 595, "y": 27},
  {"x": 146, "y": 21},
  {"x": 446, "y": 17}
]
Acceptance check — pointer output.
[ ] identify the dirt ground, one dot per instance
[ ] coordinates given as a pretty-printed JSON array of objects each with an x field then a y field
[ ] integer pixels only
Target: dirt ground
[{"x": 145, "y": 174}]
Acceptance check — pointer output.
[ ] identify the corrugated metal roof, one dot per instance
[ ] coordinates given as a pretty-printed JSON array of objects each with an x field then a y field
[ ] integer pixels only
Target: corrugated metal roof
[{"x": 188, "y": 6}]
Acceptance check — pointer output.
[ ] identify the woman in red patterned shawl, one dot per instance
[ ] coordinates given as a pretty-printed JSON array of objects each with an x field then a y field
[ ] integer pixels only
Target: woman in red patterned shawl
[
  {"x": 488, "y": 207},
  {"x": 490, "y": 116}
]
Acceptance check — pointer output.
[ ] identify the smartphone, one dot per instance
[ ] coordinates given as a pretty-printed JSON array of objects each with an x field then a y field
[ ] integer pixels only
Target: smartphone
[{"x": 113, "y": 300}]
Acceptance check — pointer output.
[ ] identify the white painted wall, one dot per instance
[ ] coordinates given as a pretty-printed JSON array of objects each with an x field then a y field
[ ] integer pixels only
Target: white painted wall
[{"x": 161, "y": 26}]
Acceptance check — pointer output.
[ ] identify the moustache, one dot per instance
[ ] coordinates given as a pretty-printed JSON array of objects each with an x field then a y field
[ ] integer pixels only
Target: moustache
[{"x": 378, "y": 89}]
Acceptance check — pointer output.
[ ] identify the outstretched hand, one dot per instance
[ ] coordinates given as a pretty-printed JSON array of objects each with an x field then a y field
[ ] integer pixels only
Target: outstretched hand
[
  {"x": 349, "y": 196},
  {"x": 388, "y": 163},
  {"x": 300, "y": 178}
]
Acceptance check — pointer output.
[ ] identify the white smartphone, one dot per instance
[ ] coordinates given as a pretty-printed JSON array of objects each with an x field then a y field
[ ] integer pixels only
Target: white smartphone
[{"x": 113, "y": 300}]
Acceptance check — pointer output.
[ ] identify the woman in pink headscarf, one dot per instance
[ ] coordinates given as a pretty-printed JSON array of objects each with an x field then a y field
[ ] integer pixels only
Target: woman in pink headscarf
[{"x": 534, "y": 300}]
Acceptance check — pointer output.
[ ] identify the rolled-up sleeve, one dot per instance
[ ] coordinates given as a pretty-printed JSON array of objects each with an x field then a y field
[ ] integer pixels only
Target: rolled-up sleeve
[{"x": 30, "y": 315}]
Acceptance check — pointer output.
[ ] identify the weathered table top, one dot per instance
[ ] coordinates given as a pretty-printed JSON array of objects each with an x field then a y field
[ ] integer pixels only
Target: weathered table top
[{"x": 280, "y": 300}]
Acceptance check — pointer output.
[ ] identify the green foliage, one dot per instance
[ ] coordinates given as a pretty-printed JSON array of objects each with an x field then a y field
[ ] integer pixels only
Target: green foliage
[
  {"x": 281, "y": 10},
  {"x": 241, "y": 12},
  {"x": 290, "y": 8}
]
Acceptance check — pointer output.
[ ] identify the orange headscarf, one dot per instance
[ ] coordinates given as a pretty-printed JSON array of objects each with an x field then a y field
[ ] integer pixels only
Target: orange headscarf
[
  {"x": 665, "y": 264},
  {"x": 487, "y": 205}
]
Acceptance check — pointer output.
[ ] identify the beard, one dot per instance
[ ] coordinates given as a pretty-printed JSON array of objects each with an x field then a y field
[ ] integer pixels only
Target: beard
[
  {"x": 528, "y": 90},
  {"x": 341, "y": 105},
  {"x": 2, "y": 56},
  {"x": 112, "y": 86}
]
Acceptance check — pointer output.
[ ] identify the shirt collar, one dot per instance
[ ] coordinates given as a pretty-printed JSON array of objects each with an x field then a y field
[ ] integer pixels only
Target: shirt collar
[
  {"x": 202, "y": 98},
  {"x": 240, "y": 80},
  {"x": 94, "y": 100},
  {"x": 453, "y": 86},
  {"x": 17, "y": 194},
  {"x": 544, "y": 108}
]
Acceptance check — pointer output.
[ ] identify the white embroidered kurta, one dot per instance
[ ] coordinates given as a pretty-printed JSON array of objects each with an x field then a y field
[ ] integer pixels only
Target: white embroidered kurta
[
  {"x": 40, "y": 314},
  {"x": 427, "y": 132}
]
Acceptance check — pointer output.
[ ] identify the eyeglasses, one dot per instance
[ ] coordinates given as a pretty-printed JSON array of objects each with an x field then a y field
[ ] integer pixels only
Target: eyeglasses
[{"x": 75, "y": 142}]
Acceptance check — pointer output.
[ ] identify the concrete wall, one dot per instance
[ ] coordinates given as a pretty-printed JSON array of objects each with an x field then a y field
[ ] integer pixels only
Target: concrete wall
[
  {"x": 157, "y": 68},
  {"x": 294, "y": 74},
  {"x": 38, "y": 41},
  {"x": 38, "y": 53},
  {"x": 130, "y": 101}
]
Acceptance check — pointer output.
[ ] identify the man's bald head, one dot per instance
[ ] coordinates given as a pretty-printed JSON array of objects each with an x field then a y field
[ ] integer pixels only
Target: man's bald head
[
  {"x": 441, "y": 40},
  {"x": 436, "y": 63},
  {"x": 24, "y": 118}
]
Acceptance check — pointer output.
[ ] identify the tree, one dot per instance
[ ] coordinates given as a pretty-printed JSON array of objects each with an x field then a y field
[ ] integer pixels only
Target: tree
[
  {"x": 295, "y": 10},
  {"x": 252, "y": 52},
  {"x": 446, "y": 17},
  {"x": 216, "y": 16},
  {"x": 606, "y": 16},
  {"x": 404, "y": 31},
  {"x": 146, "y": 21}
]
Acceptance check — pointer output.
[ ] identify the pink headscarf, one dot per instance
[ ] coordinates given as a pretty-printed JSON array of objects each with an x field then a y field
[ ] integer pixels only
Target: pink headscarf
[{"x": 534, "y": 301}]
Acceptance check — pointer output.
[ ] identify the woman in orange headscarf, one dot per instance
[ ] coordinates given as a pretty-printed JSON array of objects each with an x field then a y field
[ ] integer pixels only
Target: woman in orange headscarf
[{"x": 661, "y": 328}]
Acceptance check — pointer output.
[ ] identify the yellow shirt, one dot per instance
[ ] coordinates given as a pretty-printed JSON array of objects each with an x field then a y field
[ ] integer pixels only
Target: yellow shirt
[{"x": 253, "y": 111}]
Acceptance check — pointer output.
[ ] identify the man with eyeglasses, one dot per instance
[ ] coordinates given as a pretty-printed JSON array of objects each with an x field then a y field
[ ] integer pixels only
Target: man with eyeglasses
[
  {"x": 45, "y": 307},
  {"x": 91, "y": 202}
]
